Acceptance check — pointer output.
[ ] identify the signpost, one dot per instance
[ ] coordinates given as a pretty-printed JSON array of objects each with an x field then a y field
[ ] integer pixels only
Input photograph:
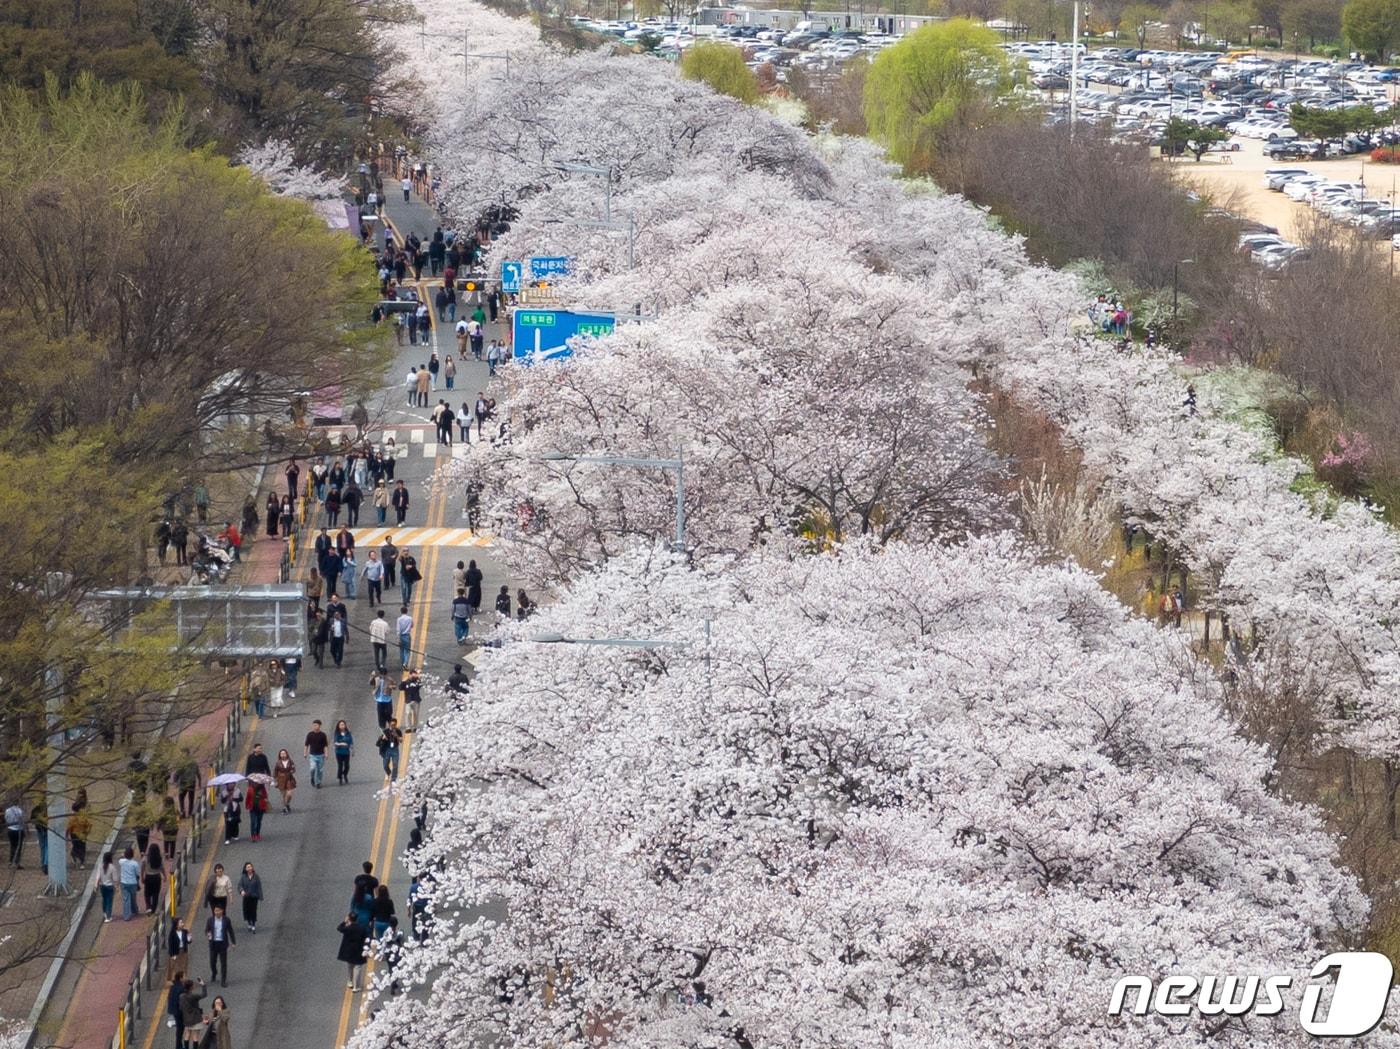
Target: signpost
[
  {"x": 543, "y": 334},
  {"x": 542, "y": 267},
  {"x": 510, "y": 277}
]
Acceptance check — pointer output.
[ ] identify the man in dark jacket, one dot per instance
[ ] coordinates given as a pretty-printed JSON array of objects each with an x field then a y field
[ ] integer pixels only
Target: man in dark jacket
[
  {"x": 389, "y": 555},
  {"x": 219, "y": 931},
  {"x": 398, "y": 499},
  {"x": 257, "y": 762},
  {"x": 353, "y": 497}
]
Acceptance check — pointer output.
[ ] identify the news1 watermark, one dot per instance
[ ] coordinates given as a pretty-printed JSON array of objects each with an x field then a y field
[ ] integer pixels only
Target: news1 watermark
[{"x": 1360, "y": 988}]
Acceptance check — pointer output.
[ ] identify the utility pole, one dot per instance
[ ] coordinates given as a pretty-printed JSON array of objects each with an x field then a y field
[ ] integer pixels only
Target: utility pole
[
  {"x": 1074, "y": 70},
  {"x": 56, "y": 787}
]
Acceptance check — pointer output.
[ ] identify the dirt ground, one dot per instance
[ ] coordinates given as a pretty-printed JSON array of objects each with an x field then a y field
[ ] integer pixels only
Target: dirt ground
[{"x": 1236, "y": 181}]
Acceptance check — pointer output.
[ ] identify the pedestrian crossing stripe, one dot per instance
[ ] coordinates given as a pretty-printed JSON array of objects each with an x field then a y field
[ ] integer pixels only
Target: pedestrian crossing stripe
[{"x": 368, "y": 538}]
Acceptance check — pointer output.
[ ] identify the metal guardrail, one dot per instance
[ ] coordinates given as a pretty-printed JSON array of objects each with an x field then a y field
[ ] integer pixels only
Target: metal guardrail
[{"x": 147, "y": 981}]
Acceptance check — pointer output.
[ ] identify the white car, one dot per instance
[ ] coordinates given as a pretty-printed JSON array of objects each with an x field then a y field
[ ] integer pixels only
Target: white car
[
  {"x": 1300, "y": 189},
  {"x": 1277, "y": 178}
]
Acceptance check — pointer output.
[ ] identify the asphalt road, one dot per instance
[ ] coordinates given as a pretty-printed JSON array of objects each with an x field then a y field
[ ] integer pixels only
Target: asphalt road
[{"x": 286, "y": 988}]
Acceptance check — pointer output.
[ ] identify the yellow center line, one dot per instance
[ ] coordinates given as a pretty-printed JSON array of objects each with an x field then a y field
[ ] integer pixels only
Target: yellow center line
[{"x": 382, "y": 845}]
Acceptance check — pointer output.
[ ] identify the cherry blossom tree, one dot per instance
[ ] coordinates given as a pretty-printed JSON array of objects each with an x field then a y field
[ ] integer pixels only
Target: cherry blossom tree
[
  {"x": 274, "y": 162},
  {"x": 933, "y": 796}
]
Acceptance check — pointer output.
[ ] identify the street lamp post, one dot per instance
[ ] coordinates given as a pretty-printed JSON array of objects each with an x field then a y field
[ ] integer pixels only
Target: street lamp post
[
  {"x": 677, "y": 464},
  {"x": 1176, "y": 282}
]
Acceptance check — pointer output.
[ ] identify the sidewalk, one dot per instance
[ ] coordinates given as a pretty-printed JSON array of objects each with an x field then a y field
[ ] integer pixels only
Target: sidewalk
[{"x": 82, "y": 1010}]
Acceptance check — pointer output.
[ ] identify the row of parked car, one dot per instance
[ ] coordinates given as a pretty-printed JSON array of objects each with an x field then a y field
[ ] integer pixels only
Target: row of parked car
[
  {"x": 1339, "y": 200},
  {"x": 1137, "y": 91}
]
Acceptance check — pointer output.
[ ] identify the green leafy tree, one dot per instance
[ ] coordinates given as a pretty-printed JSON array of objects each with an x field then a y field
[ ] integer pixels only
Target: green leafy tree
[
  {"x": 312, "y": 72},
  {"x": 1227, "y": 20},
  {"x": 1372, "y": 26},
  {"x": 114, "y": 40},
  {"x": 1311, "y": 122},
  {"x": 722, "y": 67},
  {"x": 1187, "y": 135},
  {"x": 936, "y": 79},
  {"x": 1138, "y": 18},
  {"x": 1317, "y": 21}
]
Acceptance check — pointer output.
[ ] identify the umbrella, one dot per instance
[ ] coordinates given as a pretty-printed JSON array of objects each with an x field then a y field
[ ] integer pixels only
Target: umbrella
[
  {"x": 226, "y": 778},
  {"x": 260, "y": 777}
]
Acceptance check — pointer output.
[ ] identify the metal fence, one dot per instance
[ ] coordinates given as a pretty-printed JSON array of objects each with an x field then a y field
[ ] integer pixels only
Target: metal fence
[{"x": 145, "y": 989}]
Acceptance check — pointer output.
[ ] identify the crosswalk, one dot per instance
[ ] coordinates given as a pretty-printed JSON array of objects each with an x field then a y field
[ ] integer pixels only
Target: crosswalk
[
  {"x": 368, "y": 538},
  {"x": 429, "y": 449}
]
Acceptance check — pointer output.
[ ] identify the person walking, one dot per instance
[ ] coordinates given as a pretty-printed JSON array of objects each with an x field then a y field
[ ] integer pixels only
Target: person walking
[
  {"x": 14, "y": 828},
  {"x": 461, "y": 616},
  {"x": 389, "y": 555},
  {"x": 383, "y": 698},
  {"x": 390, "y": 741},
  {"x": 449, "y": 372},
  {"x": 219, "y": 932},
  {"x": 353, "y": 497},
  {"x": 107, "y": 885},
  {"x": 422, "y": 389},
  {"x": 320, "y": 635},
  {"x": 292, "y": 472},
  {"x": 258, "y": 803},
  {"x": 349, "y": 573},
  {"x": 404, "y": 626},
  {"x": 412, "y": 689},
  {"x": 391, "y": 456},
  {"x": 219, "y": 1025},
  {"x": 257, "y": 762},
  {"x": 152, "y": 877},
  {"x": 314, "y": 750},
  {"x": 191, "y": 1026},
  {"x": 315, "y": 587},
  {"x": 284, "y": 516},
  {"x": 407, "y": 185},
  {"x": 353, "y": 935},
  {"x": 220, "y": 889},
  {"x": 503, "y": 601},
  {"x": 169, "y": 823},
  {"x": 381, "y": 910},
  {"x": 233, "y": 814},
  {"x": 276, "y": 686},
  {"x": 274, "y": 511},
  {"x": 399, "y": 500},
  {"x": 332, "y": 506},
  {"x": 338, "y": 631},
  {"x": 250, "y": 890},
  {"x": 409, "y": 576},
  {"x": 129, "y": 877},
  {"x": 257, "y": 689},
  {"x": 173, "y": 1016},
  {"x": 343, "y": 743},
  {"x": 180, "y": 540},
  {"x": 434, "y": 366},
  {"x": 464, "y": 423},
  {"x": 380, "y": 500},
  {"x": 373, "y": 573},
  {"x": 379, "y": 639},
  {"x": 362, "y": 898},
  {"x": 284, "y": 774},
  {"x": 481, "y": 412},
  {"x": 177, "y": 948},
  {"x": 79, "y": 830}
]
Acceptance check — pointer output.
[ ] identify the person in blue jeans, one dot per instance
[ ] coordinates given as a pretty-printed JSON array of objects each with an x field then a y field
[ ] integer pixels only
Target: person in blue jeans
[
  {"x": 461, "y": 616},
  {"x": 129, "y": 876},
  {"x": 405, "y": 629},
  {"x": 107, "y": 885}
]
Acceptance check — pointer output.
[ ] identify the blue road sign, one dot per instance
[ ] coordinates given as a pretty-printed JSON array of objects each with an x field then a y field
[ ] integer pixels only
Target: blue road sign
[
  {"x": 510, "y": 276},
  {"x": 543, "y": 267},
  {"x": 544, "y": 334}
]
